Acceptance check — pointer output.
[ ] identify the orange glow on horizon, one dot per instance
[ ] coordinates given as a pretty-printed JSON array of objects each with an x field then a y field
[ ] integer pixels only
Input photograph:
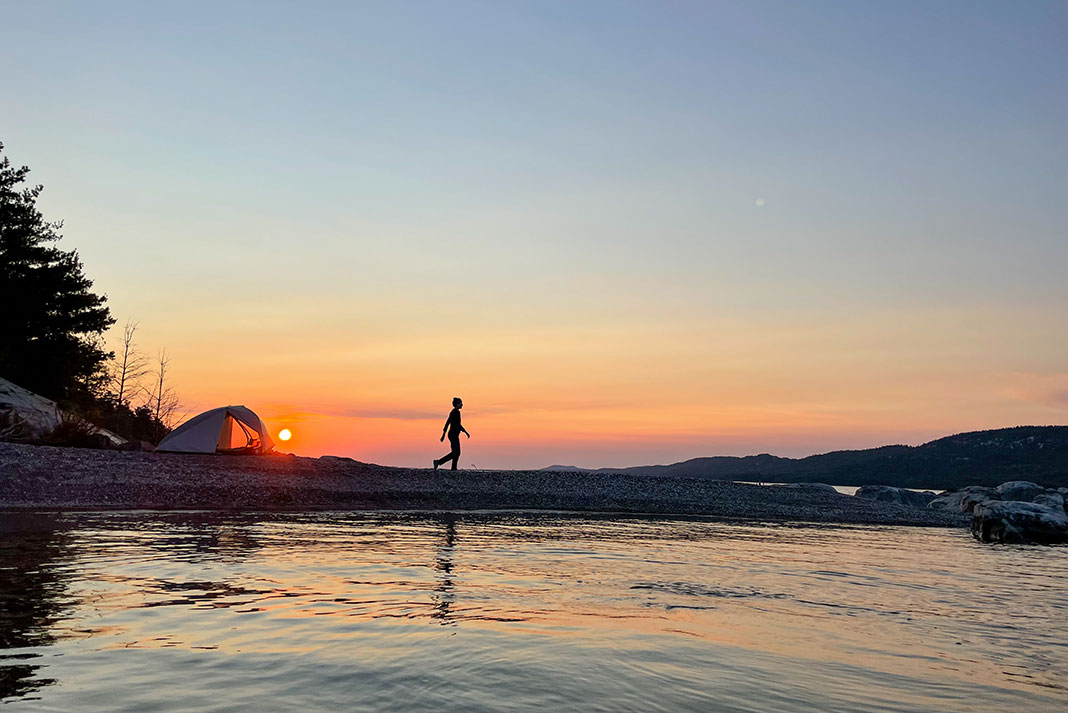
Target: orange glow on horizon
[{"x": 617, "y": 395}]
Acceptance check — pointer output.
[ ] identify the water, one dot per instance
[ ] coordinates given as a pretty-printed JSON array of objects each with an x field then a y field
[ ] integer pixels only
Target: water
[
  {"x": 481, "y": 612},
  {"x": 843, "y": 489}
]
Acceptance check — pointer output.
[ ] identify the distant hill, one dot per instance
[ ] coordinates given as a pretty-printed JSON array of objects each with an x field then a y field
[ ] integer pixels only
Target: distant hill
[{"x": 1035, "y": 453}]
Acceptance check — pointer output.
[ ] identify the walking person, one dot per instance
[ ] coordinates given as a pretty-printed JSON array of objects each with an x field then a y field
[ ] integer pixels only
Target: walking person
[{"x": 453, "y": 428}]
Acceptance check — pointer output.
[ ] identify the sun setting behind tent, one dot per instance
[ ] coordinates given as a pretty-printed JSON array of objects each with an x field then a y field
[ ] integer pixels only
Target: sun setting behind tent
[{"x": 228, "y": 429}]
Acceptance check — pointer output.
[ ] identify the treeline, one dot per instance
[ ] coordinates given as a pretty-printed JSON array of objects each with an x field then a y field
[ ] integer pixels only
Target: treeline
[
  {"x": 1034, "y": 453},
  {"x": 52, "y": 327}
]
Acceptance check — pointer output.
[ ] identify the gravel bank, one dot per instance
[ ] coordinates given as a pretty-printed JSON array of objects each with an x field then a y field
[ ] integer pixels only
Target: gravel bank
[{"x": 42, "y": 477}]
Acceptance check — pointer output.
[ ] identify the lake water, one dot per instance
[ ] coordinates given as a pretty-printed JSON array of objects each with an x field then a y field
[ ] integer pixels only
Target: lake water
[{"x": 521, "y": 612}]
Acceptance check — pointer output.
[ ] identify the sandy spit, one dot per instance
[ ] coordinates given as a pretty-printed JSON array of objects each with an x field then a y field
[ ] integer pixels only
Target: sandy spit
[{"x": 47, "y": 478}]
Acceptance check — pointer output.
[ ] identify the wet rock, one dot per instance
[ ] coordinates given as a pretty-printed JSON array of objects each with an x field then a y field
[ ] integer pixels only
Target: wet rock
[
  {"x": 1011, "y": 521},
  {"x": 890, "y": 494},
  {"x": 1022, "y": 490},
  {"x": 963, "y": 499}
]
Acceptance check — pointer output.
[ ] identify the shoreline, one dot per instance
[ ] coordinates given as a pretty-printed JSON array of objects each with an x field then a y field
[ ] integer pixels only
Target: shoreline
[{"x": 47, "y": 478}]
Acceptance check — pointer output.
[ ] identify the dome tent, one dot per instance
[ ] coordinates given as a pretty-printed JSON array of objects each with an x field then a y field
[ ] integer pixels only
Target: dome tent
[{"x": 228, "y": 429}]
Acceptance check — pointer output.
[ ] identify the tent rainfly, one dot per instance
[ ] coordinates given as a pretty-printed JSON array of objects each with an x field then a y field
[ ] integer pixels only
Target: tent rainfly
[{"x": 228, "y": 429}]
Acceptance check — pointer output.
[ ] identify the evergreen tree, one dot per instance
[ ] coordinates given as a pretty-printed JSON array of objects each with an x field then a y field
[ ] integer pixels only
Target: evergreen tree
[{"x": 50, "y": 321}]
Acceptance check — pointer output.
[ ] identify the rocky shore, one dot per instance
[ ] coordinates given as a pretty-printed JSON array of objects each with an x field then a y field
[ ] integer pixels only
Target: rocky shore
[
  {"x": 47, "y": 478},
  {"x": 1015, "y": 512}
]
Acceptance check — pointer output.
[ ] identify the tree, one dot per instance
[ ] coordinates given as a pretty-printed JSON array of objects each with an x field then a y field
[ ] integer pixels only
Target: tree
[
  {"x": 50, "y": 319},
  {"x": 162, "y": 401},
  {"x": 130, "y": 366}
]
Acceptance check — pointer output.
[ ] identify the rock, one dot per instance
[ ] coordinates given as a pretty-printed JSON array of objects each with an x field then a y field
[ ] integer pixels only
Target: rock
[
  {"x": 141, "y": 446},
  {"x": 1020, "y": 490},
  {"x": 1019, "y": 522},
  {"x": 812, "y": 486},
  {"x": 99, "y": 440},
  {"x": 955, "y": 499},
  {"x": 890, "y": 494},
  {"x": 26, "y": 416},
  {"x": 970, "y": 500},
  {"x": 1051, "y": 499}
]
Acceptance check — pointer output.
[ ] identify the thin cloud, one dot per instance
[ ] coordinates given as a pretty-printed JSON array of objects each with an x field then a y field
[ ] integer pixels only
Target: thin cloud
[
  {"x": 397, "y": 414},
  {"x": 1045, "y": 389},
  {"x": 1056, "y": 397},
  {"x": 414, "y": 414}
]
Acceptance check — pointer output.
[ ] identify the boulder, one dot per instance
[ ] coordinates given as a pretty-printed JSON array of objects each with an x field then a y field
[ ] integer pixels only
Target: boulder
[
  {"x": 1019, "y": 490},
  {"x": 812, "y": 486},
  {"x": 29, "y": 417},
  {"x": 1051, "y": 499},
  {"x": 970, "y": 500},
  {"x": 26, "y": 415},
  {"x": 1019, "y": 522},
  {"x": 890, "y": 494},
  {"x": 955, "y": 499}
]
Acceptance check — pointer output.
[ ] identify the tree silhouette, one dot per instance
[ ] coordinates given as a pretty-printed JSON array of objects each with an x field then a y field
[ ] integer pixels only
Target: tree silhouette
[
  {"x": 162, "y": 400},
  {"x": 50, "y": 320},
  {"x": 129, "y": 368}
]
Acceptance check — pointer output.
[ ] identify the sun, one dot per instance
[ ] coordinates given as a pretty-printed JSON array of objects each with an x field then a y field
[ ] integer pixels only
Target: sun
[{"x": 284, "y": 434}]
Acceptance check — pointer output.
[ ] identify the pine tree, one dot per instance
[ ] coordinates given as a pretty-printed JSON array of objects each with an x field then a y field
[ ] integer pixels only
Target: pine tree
[{"x": 50, "y": 320}]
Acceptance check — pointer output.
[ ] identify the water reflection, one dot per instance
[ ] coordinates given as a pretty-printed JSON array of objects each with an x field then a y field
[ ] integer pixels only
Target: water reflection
[
  {"x": 409, "y": 612},
  {"x": 444, "y": 593},
  {"x": 33, "y": 597}
]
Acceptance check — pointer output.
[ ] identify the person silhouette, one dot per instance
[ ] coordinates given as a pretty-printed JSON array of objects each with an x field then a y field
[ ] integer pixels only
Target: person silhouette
[{"x": 454, "y": 428}]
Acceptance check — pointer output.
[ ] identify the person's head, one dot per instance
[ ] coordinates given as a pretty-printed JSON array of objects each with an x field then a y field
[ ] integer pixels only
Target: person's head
[{"x": 457, "y": 403}]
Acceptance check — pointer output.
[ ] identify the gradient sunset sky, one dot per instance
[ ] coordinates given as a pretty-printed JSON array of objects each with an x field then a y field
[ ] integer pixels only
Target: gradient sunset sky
[{"x": 623, "y": 232}]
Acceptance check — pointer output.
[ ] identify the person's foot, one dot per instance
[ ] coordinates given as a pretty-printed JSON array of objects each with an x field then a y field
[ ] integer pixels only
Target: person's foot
[{"x": 435, "y": 465}]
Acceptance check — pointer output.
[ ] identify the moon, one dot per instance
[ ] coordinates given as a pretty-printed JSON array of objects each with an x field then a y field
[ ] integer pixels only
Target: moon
[{"x": 284, "y": 434}]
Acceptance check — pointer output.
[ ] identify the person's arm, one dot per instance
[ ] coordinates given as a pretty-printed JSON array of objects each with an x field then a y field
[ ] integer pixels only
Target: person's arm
[
  {"x": 446, "y": 427},
  {"x": 464, "y": 430}
]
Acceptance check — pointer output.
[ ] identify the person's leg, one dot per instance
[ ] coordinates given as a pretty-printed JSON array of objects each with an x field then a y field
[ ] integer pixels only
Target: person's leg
[{"x": 455, "y": 455}]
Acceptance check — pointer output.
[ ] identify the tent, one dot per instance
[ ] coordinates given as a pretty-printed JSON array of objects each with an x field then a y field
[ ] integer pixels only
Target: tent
[{"x": 228, "y": 429}]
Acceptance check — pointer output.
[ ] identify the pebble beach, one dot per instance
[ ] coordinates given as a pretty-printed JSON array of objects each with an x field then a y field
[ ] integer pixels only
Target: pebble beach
[{"x": 50, "y": 478}]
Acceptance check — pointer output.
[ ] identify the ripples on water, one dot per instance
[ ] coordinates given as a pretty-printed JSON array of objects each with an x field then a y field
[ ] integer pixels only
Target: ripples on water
[{"x": 478, "y": 612}]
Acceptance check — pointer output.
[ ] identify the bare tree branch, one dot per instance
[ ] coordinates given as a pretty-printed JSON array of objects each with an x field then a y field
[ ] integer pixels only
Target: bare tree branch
[
  {"x": 130, "y": 366},
  {"x": 162, "y": 400}
]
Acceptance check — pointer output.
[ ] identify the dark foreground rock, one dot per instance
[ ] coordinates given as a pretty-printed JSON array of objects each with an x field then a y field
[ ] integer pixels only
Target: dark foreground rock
[
  {"x": 40, "y": 477},
  {"x": 1017, "y": 511},
  {"x": 1014, "y": 521}
]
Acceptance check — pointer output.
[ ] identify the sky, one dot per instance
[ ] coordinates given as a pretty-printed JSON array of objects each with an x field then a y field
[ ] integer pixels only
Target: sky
[{"x": 623, "y": 232}]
